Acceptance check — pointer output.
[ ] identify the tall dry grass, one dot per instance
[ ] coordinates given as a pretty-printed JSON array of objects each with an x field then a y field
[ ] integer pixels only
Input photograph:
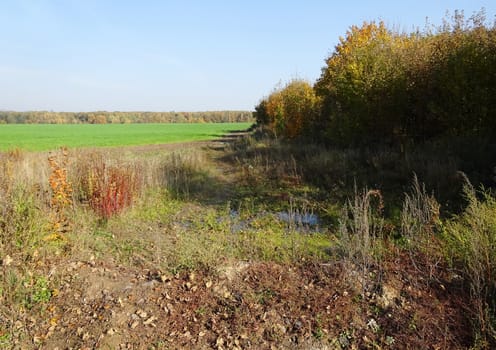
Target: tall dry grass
[
  {"x": 420, "y": 221},
  {"x": 361, "y": 237}
]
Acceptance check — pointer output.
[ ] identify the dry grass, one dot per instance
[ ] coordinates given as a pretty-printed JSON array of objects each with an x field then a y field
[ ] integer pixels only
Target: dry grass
[
  {"x": 361, "y": 238},
  {"x": 471, "y": 246}
]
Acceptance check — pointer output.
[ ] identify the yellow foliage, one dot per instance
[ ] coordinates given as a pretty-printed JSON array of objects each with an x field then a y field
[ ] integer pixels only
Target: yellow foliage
[
  {"x": 61, "y": 193},
  {"x": 289, "y": 109}
]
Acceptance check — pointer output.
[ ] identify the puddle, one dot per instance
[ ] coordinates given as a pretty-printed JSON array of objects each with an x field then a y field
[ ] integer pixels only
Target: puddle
[
  {"x": 307, "y": 222},
  {"x": 307, "y": 219}
]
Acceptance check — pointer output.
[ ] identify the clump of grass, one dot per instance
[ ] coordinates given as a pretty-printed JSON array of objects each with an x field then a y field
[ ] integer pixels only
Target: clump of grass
[
  {"x": 184, "y": 173},
  {"x": 361, "y": 234},
  {"x": 23, "y": 203},
  {"x": 420, "y": 214},
  {"x": 471, "y": 245},
  {"x": 420, "y": 218},
  {"x": 24, "y": 223}
]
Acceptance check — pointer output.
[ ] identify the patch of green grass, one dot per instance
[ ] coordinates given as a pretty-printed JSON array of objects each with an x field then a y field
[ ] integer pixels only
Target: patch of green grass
[
  {"x": 40, "y": 292},
  {"x": 4, "y": 339},
  {"x": 39, "y": 137}
]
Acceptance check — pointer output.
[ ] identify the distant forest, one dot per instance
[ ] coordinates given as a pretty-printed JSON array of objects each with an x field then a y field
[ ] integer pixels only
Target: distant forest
[{"x": 45, "y": 117}]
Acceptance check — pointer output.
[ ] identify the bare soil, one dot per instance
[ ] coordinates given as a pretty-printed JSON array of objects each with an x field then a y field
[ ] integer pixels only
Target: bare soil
[{"x": 101, "y": 305}]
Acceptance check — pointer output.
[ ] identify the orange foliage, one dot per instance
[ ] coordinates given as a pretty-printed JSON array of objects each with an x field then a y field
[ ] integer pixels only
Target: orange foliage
[
  {"x": 289, "y": 110},
  {"x": 61, "y": 191}
]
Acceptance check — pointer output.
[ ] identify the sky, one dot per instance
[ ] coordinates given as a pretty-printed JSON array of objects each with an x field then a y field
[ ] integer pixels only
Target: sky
[{"x": 180, "y": 55}]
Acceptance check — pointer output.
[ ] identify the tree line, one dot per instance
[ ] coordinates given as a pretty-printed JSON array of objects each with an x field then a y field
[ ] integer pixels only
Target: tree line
[
  {"x": 104, "y": 117},
  {"x": 381, "y": 85}
]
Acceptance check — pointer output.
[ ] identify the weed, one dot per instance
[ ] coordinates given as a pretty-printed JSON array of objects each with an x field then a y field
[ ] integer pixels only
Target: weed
[
  {"x": 202, "y": 310},
  {"x": 471, "y": 245},
  {"x": 4, "y": 338},
  {"x": 419, "y": 220},
  {"x": 265, "y": 295},
  {"x": 109, "y": 188},
  {"x": 40, "y": 292},
  {"x": 419, "y": 216},
  {"x": 361, "y": 234},
  {"x": 21, "y": 222},
  {"x": 389, "y": 341},
  {"x": 61, "y": 192},
  {"x": 318, "y": 333}
]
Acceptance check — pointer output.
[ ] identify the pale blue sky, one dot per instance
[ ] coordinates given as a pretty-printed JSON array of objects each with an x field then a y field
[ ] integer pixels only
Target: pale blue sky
[{"x": 182, "y": 55}]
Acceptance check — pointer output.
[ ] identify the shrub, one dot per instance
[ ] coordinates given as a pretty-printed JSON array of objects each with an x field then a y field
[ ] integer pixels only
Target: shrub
[
  {"x": 289, "y": 111},
  {"x": 61, "y": 190},
  {"x": 108, "y": 188}
]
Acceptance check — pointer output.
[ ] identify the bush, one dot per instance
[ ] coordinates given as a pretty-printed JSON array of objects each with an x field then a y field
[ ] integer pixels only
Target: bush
[
  {"x": 108, "y": 188},
  {"x": 290, "y": 111}
]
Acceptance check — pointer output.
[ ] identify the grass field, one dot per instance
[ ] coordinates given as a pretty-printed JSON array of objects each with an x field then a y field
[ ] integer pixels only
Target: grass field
[{"x": 39, "y": 137}]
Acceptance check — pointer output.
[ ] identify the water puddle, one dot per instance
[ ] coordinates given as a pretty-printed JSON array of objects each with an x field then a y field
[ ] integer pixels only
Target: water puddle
[{"x": 295, "y": 221}]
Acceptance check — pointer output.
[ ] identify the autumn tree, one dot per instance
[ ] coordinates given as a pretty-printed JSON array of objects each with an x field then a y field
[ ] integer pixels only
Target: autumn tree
[{"x": 289, "y": 111}]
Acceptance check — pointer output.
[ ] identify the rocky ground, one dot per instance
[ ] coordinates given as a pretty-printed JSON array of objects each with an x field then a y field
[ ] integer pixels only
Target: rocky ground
[{"x": 101, "y": 305}]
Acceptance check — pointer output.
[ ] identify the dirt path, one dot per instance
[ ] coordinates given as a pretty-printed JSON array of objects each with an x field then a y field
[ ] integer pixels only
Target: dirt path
[{"x": 217, "y": 144}]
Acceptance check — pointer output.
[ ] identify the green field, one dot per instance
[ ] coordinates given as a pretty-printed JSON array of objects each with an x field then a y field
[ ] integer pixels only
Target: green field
[{"x": 39, "y": 137}]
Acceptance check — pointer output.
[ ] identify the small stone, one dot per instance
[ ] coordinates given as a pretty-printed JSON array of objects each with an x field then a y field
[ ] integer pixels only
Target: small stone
[
  {"x": 281, "y": 328},
  {"x": 141, "y": 313},
  {"x": 372, "y": 324},
  {"x": 37, "y": 339},
  {"x": 7, "y": 260},
  {"x": 208, "y": 284},
  {"x": 134, "y": 324}
]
